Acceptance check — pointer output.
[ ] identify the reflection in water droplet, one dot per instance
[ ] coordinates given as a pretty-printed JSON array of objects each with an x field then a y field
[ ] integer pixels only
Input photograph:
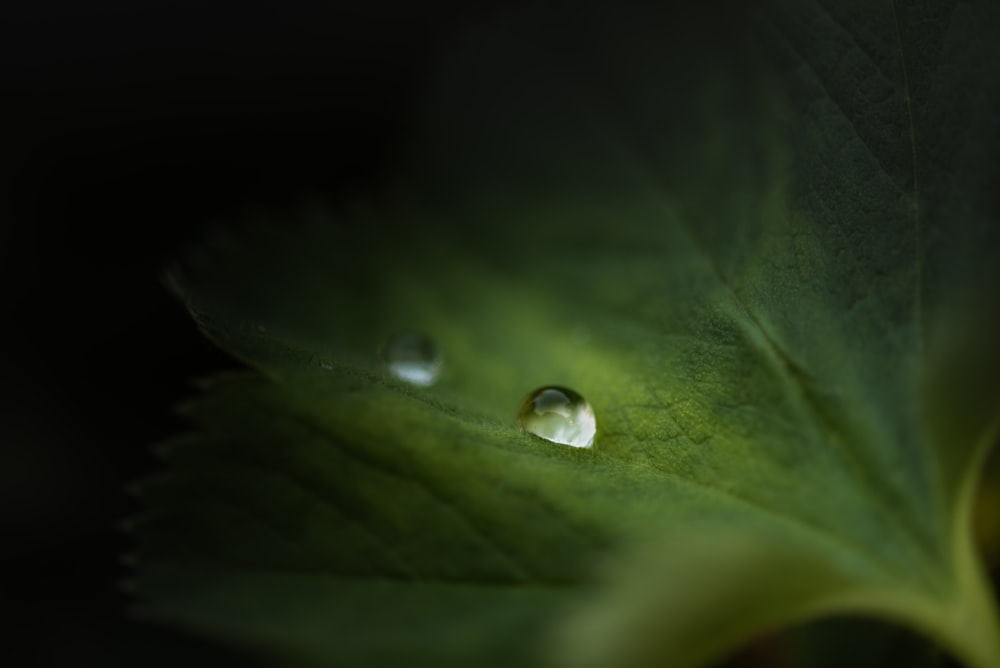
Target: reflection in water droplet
[
  {"x": 560, "y": 415},
  {"x": 412, "y": 358}
]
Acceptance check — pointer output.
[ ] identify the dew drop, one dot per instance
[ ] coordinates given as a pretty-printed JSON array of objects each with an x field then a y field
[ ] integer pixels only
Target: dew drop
[
  {"x": 412, "y": 358},
  {"x": 560, "y": 415}
]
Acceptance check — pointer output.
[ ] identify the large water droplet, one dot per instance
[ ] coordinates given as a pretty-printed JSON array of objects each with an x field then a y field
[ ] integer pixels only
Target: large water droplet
[
  {"x": 560, "y": 415},
  {"x": 412, "y": 357}
]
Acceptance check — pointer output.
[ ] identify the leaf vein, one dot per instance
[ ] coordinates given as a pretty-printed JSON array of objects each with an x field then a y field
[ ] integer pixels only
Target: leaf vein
[
  {"x": 818, "y": 78},
  {"x": 517, "y": 568}
]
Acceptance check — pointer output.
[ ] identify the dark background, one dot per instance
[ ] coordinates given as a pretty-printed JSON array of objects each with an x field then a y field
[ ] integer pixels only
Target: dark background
[{"x": 129, "y": 127}]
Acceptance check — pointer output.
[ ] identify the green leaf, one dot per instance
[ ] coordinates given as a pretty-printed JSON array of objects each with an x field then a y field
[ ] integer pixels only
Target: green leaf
[{"x": 762, "y": 249}]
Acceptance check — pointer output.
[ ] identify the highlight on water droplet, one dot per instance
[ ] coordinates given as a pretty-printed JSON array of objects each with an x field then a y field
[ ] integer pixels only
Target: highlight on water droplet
[
  {"x": 411, "y": 357},
  {"x": 560, "y": 415}
]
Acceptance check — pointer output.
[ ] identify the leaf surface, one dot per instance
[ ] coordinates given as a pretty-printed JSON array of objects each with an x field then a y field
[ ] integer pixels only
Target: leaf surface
[{"x": 761, "y": 249}]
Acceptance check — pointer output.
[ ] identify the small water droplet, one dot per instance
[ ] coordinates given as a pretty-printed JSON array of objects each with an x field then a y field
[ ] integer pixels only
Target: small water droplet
[
  {"x": 560, "y": 415},
  {"x": 411, "y": 357}
]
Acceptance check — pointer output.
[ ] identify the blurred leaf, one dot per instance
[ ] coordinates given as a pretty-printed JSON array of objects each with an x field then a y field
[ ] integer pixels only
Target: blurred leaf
[{"x": 760, "y": 247}]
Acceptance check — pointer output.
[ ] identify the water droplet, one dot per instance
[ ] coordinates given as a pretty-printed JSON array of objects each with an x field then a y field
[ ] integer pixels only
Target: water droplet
[
  {"x": 412, "y": 358},
  {"x": 560, "y": 415}
]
